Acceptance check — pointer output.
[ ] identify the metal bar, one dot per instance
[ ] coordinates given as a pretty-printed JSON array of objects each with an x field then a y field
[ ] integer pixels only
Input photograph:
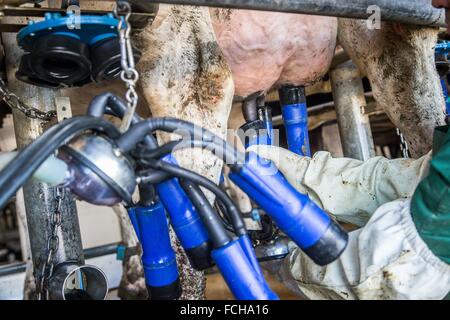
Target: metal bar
[
  {"x": 89, "y": 253},
  {"x": 100, "y": 250},
  {"x": 40, "y": 12},
  {"x": 419, "y": 12},
  {"x": 13, "y": 268},
  {"x": 371, "y": 109},
  {"x": 14, "y": 2},
  {"x": 11, "y": 285},
  {"x": 350, "y": 102},
  {"x": 138, "y": 19}
]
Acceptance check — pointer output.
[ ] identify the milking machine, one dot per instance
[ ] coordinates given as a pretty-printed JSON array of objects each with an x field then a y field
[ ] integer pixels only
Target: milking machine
[
  {"x": 71, "y": 49},
  {"x": 104, "y": 167},
  {"x": 67, "y": 48},
  {"x": 257, "y": 128},
  {"x": 158, "y": 258},
  {"x": 100, "y": 164}
]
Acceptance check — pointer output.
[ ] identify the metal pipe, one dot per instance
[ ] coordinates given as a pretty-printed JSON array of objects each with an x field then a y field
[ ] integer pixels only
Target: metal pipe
[
  {"x": 89, "y": 253},
  {"x": 100, "y": 251},
  {"x": 17, "y": 2},
  {"x": 71, "y": 281},
  {"x": 53, "y": 171},
  {"x": 350, "y": 102},
  {"x": 39, "y": 197},
  {"x": 371, "y": 110},
  {"x": 419, "y": 12}
]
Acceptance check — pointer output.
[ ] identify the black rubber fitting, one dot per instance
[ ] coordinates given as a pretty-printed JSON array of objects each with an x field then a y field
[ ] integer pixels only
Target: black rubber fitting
[
  {"x": 170, "y": 292},
  {"x": 25, "y": 74},
  {"x": 111, "y": 183},
  {"x": 105, "y": 58},
  {"x": 61, "y": 59},
  {"x": 329, "y": 247},
  {"x": 200, "y": 256},
  {"x": 292, "y": 95}
]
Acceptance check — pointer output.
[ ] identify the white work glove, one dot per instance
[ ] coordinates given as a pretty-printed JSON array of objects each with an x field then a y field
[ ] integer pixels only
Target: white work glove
[
  {"x": 386, "y": 259},
  {"x": 349, "y": 189}
]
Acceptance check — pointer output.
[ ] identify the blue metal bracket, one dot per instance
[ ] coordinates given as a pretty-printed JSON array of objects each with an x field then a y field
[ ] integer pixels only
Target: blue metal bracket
[
  {"x": 443, "y": 48},
  {"x": 91, "y": 28},
  {"x": 121, "y": 250}
]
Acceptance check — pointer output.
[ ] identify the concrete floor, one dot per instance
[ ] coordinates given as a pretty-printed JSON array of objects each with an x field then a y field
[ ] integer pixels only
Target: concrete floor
[{"x": 216, "y": 288}]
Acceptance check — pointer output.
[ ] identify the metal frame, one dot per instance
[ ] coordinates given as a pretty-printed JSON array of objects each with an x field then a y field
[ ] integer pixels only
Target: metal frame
[
  {"x": 89, "y": 253},
  {"x": 350, "y": 101},
  {"x": 12, "y": 276},
  {"x": 419, "y": 12},
  {"x": 11, "y": 11}
]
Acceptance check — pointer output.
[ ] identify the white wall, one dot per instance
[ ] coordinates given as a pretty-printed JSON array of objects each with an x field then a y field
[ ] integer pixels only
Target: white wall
[{"x": 99, "y": 225}]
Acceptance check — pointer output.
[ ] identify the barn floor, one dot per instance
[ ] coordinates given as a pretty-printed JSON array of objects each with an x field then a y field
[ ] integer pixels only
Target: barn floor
[{"x": 216, "y": 288}]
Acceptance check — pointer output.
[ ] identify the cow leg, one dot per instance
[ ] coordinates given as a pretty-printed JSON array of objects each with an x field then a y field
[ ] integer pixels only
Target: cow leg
[
  {"x": 184, "y": 75},
  {"x": 132, "y": 285},
  {"x": 235, "y": 121},
  {"x": 399, "y": 62},
  {"x": 29, "y": 288}
]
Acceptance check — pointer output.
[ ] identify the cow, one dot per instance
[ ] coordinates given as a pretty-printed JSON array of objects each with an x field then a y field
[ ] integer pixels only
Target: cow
[{"x": 195, "y": 60}]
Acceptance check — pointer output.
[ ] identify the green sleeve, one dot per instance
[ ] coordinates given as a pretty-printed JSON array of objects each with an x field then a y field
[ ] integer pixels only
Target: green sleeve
[{"x": 430, "y": 206}]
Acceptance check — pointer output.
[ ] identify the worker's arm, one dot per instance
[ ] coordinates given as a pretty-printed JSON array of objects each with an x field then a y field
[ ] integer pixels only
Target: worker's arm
[
  {"x": 349, "y": 189},
  {"x": 387, "y": 258}
]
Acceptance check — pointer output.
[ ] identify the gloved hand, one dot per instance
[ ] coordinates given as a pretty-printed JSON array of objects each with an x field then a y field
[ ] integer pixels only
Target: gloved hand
[
  {"x": 349, "y": 189},
  {"x": 386, "y": 258}
]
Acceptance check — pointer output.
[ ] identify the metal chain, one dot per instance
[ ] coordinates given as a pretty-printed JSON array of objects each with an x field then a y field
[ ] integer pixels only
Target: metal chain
[
  {"x": 403, "y": 144},
  {"x": 129, "y": 74},
  {"x": 16, "y": 103},
  {"x": 52, "y": 246}
]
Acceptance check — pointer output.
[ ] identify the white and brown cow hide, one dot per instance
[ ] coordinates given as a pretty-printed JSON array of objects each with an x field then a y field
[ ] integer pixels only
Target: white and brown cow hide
[
  {"x": 184, "y": 75},
  {"x": 269, "y": 49},
  {"x": 399, "y": 62},
  {"x": 190, "y": 57}
]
